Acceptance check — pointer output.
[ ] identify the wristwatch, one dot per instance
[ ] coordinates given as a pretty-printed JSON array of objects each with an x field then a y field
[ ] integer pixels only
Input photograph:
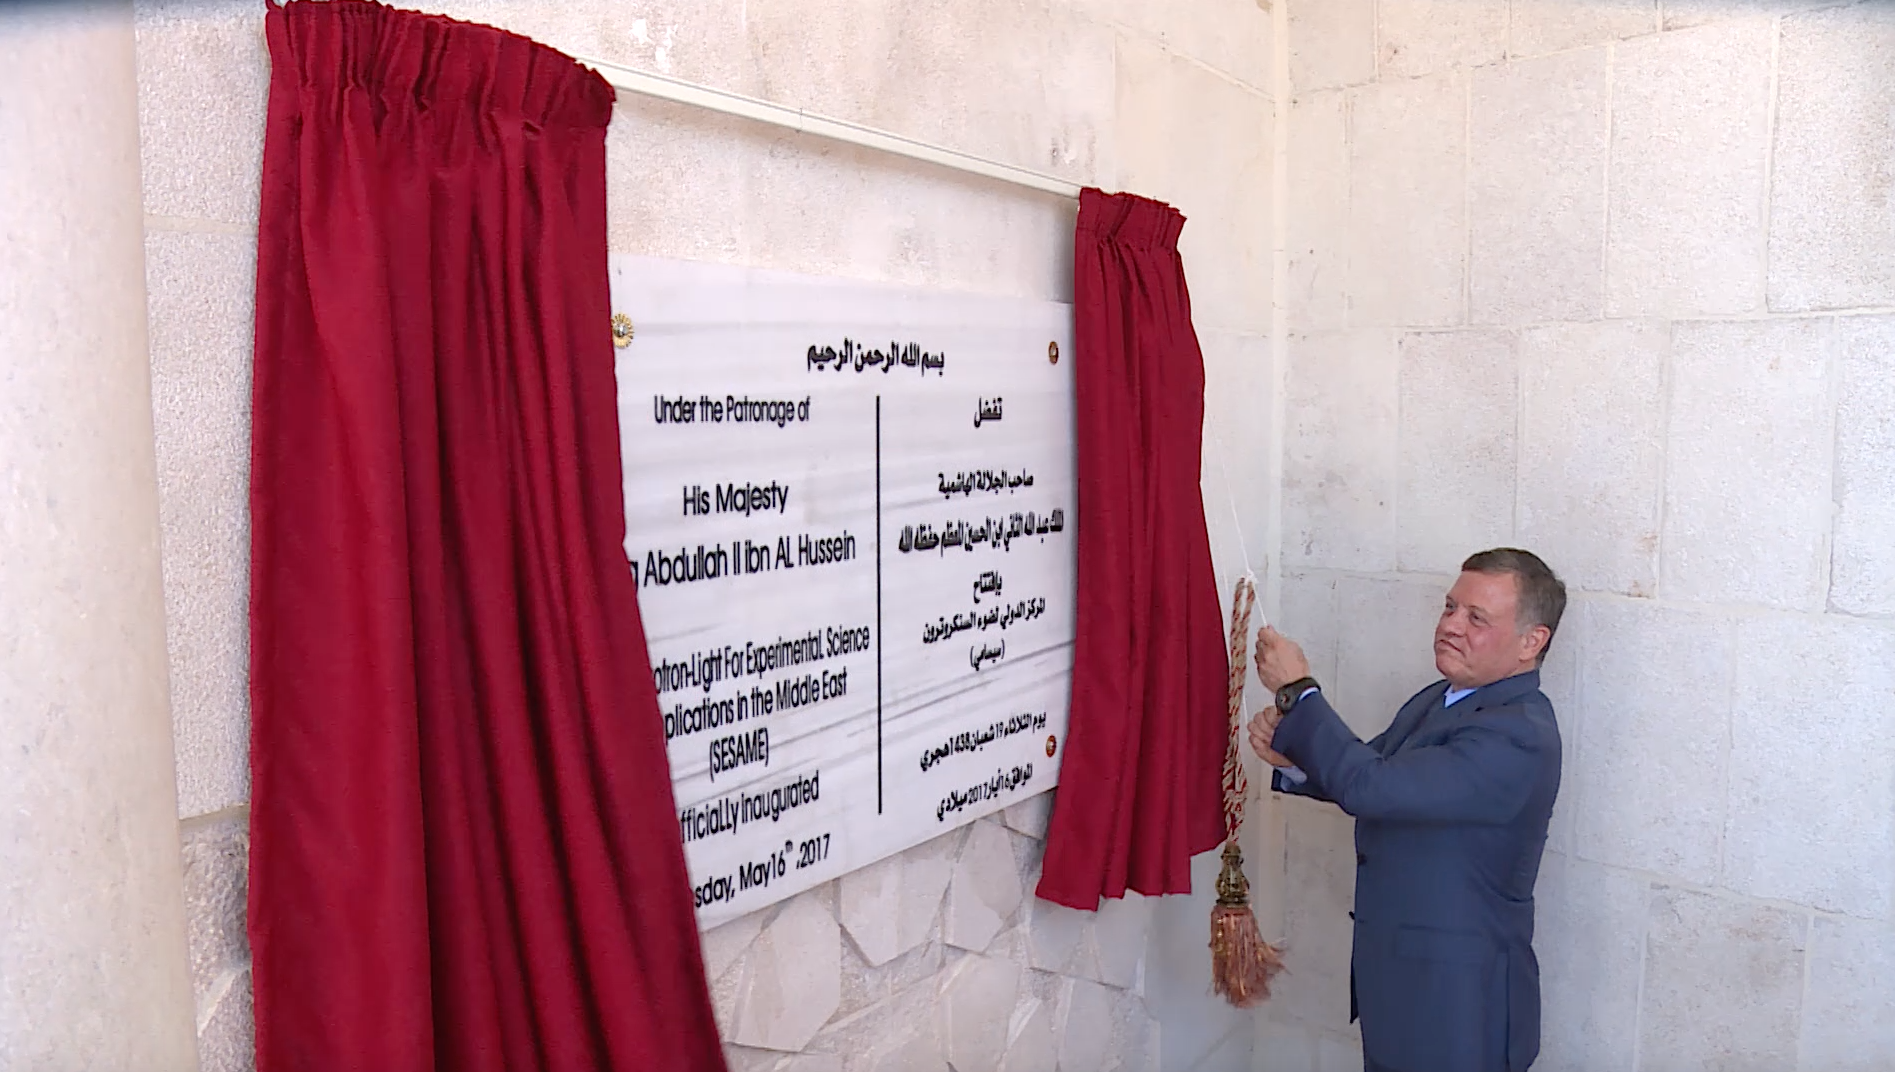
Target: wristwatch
[{"x": 1288, "y": 695}]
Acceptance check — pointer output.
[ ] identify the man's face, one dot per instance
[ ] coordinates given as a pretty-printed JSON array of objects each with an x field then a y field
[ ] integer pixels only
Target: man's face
[{"x": 1478, "y": 640}]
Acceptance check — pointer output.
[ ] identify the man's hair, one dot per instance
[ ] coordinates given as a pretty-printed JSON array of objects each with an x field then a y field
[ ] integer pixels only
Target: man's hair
[{"x": 1542, "y": 595}]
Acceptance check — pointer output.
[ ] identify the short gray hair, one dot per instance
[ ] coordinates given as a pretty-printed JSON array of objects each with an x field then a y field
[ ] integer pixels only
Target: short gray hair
[{"x": 1542, "y": 595}]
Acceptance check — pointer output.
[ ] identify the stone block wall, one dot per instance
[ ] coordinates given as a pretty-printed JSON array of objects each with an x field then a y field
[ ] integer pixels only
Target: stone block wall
[
  {"x": 939, "y": 957},
  {"x": 1612, "y": 280}
]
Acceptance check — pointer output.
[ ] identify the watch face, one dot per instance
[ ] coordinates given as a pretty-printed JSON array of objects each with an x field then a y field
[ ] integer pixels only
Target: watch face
[{"x": 1288, "y": 695}]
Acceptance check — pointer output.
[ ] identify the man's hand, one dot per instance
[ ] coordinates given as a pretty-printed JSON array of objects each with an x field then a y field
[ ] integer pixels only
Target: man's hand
[
  {"x": 1279, "y": 660},
  {"x": 1263, "y": 734}
]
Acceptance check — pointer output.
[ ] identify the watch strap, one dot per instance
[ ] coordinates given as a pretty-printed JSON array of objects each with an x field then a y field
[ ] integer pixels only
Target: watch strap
[{"x": 1288, "y": 695}]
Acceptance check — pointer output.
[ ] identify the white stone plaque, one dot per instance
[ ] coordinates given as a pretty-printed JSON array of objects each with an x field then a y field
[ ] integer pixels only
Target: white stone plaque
[{"x": 850, "y": 510}]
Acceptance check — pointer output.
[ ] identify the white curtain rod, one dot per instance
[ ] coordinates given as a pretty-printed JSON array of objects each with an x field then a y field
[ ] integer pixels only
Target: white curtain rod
[{"x": 717, "y": 100}]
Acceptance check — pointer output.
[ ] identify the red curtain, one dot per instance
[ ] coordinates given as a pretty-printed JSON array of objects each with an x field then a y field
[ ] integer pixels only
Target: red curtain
[
  {"x": 1140, "y": 784},
  {"x": 464, "y": 850}
]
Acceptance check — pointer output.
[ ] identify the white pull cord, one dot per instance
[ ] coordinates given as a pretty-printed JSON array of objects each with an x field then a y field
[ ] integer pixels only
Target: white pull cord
[{"x": 1230, "y": 497}]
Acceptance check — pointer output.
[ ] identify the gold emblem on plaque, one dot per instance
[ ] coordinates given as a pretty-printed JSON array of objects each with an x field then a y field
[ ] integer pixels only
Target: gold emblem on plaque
[
  {"x": 1052, "y": 352},
  {"x": 621, "y": 330}
]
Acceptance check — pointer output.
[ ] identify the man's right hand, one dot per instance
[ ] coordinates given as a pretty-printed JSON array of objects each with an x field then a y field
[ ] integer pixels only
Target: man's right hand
[{"x": 1263, "y": 735}]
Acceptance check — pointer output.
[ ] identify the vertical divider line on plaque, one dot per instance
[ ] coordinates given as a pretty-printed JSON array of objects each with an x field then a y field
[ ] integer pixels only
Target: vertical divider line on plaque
[{"x": 878, "y": 604}]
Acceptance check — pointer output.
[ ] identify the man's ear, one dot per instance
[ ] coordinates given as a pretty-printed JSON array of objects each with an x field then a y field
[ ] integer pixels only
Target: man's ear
[{"x": 1533, "y": 642}]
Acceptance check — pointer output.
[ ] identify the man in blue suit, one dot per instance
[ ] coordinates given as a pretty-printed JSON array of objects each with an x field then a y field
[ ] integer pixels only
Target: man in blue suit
[{"x": 1451, "y": 805}]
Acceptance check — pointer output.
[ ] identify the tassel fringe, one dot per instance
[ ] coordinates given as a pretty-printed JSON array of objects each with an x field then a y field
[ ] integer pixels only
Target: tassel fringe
[{"x": 1242, "y": 963}]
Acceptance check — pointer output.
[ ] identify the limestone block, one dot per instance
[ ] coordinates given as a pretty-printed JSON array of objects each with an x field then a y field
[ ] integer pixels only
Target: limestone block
[
  {"x": 672, "y": 175},
  {"x": 1536, "y": 189},
  {"x": 1680, "y": 14},
  {"x": 1084, "y": 1022},
  {"x": 1135, "y": 1036},
  {"x": 1540, "y": 26},
  {"x": 724, "y": 944},
  {"x": 1239, "y": 392},
  {"x": 1849, "y": 1005},
  {"x": 1832, "y": 238},
  {"x": 1229, "y": 1052},
  {"x": 1031, "y": 1044},
  {"x": 228, "y": 1040},
  {"x": 1031, "y": 815},
  {"x": 1723, "y": 983},
  {"x": 1232, "y": 36},
  {"x": 1387, "y": 649},
  {"x": 1591, "y": 471},
  {"x": 1119, "y": 932},
  {"x": 1588, "y": 934},
  {"x": 697, "y": 40},
  {"x": 794, "y": 979},
  {"x": 906, "y": 1055},
  {"x": 1318, "y": 212},
  {"x": 1407, "y": 202},
  {"x": 95, "y": 968},
  {"x": 1042, "y": 986},
  {"x": 685, "y": 183},
  {"x": 889, "y": 907},
  {"x": 1308, "y": 616},
  {"x": 201, "y": 296},
  {"x": 864, "y": 984},
  {"x": 1751, "y": 422},
  {"x": 972, "y": 74},
  {"x": 1651, "y": 761},
  {"x": 1332, "y": 43},
  {"x": 203, "y": 83},
  {"x": 809, "y": 1062},
  {"x": 862, "y": 214},
  {"x": 1227, "y": 551},
  {"x": 1829, "y": 850},
  {"x": 1690, "y": 141},
  {"x": 1417, "y": 37},
  {"x": 1318, "y": 898},
  {"x": 1280, "y": 1046},
  {"x": 1175, "y": 141},
  {"x": 892, "y": 1035},
  {"x": 1862, "y": 577},
  {"x": 1459, "y": 406},
  {"x": 1056, "y": 935},
  {"x": 745, "y": 1059},
  {"x": 1339, "y": 452},
  {"x": 1338, "y": 1054},
  {"x": 216, "y": 883},
  {"x": 1265, "y": 839},
  {"x": 1559, "y": 680},
  {"x": 726, "y": 990},
  {"x": 976, "y": 1006},
  {"x": 985, "y": 889}
]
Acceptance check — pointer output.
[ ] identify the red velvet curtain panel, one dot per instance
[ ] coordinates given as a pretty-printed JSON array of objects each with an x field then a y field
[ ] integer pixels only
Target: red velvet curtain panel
[
  {"x": 464, "y": 849},
  {"x": 1140, "y": 787}
]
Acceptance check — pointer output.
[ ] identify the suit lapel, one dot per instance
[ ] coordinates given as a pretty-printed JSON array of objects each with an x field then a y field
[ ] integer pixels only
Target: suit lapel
[
  {"x": 1503, "y": 691},
  {"x": 1440, "y": 717},
  {"x": 1412, "y": 716}
]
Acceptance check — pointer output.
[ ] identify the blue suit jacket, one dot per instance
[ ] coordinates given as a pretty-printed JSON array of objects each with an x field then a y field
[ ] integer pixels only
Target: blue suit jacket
[{"x": 1451, "y": 808}]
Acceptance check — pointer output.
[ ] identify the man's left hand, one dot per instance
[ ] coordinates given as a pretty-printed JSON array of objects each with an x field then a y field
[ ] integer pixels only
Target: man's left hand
[
  {"x": 1263, "y": 735},
  {"x": 1279, "y": 660}
]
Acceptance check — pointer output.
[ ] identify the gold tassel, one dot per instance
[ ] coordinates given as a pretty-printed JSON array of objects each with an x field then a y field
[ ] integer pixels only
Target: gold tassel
[{"x": 1242, "y": 963}]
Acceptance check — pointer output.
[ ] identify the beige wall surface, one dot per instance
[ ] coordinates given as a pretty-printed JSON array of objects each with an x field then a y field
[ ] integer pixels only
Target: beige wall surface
[
  {"x": 92, "y": 947},
  {"x": 1612, "y": 280}
]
